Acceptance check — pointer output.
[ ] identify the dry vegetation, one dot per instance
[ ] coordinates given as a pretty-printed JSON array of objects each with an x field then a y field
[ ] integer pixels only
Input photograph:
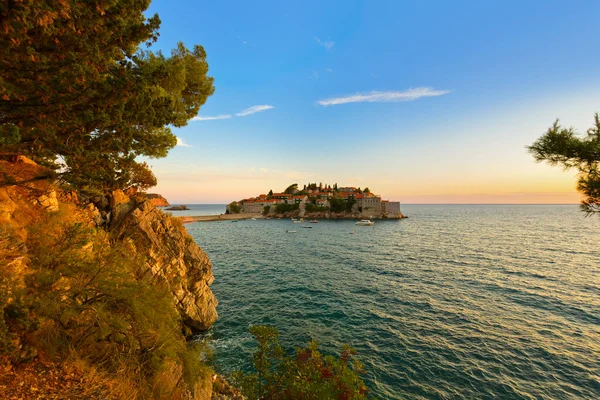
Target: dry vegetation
[{"x": 74, "y": 302}]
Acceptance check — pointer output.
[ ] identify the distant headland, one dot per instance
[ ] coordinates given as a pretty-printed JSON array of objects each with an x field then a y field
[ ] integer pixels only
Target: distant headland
[
  {"x": 319, "y": 201},
  {"x": 157, "y": 200}
]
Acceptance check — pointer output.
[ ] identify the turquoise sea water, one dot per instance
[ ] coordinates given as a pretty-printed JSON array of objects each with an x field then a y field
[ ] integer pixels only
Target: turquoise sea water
[{"x": 459, "y": 301}]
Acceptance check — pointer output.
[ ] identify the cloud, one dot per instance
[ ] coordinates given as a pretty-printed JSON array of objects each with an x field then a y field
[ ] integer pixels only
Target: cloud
[
  {"x": 181, "y": 143},
  {"x": 243, "y": 113},
  {"x": 208, "y": 118},
  {"x": 328, "y": 70},
  {"x": 384, "y": 97},
  {"x": 328, "y": 44},
  {"x": 254, "y": 110}
]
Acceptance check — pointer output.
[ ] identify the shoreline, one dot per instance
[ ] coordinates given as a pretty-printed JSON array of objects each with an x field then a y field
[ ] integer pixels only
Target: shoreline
[
  {"x": 218, "y": 217},
  {"x": 233, "y": 217}
]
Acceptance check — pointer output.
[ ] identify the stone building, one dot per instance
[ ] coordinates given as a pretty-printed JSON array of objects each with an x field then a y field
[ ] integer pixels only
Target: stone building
[
  {"x": 370, "y": 205},
  {"x": 390, "y": 209}
]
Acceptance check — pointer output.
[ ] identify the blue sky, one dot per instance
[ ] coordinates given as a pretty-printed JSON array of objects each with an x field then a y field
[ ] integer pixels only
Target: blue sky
[{"x": 422, "y": 101}]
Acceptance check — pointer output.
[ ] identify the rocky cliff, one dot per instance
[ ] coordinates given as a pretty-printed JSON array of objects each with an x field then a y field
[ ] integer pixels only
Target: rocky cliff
[
  {"x": 171, "y": 255},
  {"x": 63, "y": 272}
]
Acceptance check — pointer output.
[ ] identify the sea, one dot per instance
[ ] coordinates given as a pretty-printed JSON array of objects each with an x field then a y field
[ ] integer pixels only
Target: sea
[{"x": 454, "y": 302}]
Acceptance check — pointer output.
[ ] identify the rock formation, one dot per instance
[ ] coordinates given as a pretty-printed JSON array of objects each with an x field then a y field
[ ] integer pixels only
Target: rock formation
[
  {"x": 178, "y": 208},
  {"x": 171, "y": 254},
  {"x": 157, "y": 200}
]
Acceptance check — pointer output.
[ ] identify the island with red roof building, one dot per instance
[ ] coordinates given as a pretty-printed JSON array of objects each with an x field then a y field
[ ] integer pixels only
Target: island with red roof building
[{"x": 318, "y": 201}]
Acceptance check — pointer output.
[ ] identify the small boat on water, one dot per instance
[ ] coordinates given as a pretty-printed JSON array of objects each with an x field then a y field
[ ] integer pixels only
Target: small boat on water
[
  {"x": 297, "y": 222},
  {"x": 314, "y": 221},
  {"x": 307, "y": 227},
  {"x": 235, "y": 220},
  {"x": 291, "y": 231},
  {"x": 365, "y": 222},
  {"x": 253, "y": 219}
]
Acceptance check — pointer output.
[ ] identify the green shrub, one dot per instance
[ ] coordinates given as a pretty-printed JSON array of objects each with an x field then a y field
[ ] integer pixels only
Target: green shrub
[
  {"x": 341, "y": 205},
  {"x": 234, "y": 207},
  {"x": 283, "y": 208},
  {"x": 316, "y": 208},
  {"x": 306, "y": 375}
]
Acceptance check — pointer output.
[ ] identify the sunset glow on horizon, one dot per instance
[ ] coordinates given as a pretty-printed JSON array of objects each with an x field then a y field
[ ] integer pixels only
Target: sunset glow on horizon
[{"x": 435, "y": 112}]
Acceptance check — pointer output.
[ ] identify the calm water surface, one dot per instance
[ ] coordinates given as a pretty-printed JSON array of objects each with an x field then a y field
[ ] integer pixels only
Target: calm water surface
[
  {"x": 454, "y": 302},
  {"x": 197, "y": 209}
]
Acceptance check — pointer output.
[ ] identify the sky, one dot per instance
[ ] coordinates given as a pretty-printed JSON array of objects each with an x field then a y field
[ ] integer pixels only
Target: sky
[{"x": 421, "y": 101}]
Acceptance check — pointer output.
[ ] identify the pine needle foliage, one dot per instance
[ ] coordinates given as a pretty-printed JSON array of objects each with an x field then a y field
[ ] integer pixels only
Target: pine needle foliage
[
  {"x": 80, "y": 95},
  {"x": 561, "y": 146}
]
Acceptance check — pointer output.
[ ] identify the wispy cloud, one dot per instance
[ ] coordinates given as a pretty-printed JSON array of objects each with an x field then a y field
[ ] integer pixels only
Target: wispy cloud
[
  {"x": 211, "y": 118},
  {"x": 328, "y": 70},
  {"x": 384, "y": 97},
  {"x": 181, "y": 143},
  {"x": 328, "y": 44},
  {"x": 254, "y": 110}
]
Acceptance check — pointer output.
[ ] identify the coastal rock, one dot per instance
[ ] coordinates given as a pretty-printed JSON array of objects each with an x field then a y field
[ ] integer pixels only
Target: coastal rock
[
  {"x": 157, "y": 200},
  {"x": 7, "y": 206},
  {"x": 121, "y": 205},
  {"x": 178, "y": 208},
  {"x": 173, "y": 256},
  {"x": 49, "y": 201}
]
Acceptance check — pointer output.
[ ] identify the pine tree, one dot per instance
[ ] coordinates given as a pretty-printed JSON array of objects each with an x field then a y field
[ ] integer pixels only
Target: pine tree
[
  {"x": 561, "y": 146},
  {"x": 74, "y": 86}
]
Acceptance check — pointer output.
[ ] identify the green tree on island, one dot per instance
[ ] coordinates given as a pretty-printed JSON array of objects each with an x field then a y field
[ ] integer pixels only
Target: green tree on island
[
  {"x": 77, "y": 93},
  {"x": 561, "y": 146},
  {"x": 291, "y": 189}
]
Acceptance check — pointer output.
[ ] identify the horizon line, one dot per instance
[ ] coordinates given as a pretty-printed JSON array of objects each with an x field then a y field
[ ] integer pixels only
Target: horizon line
[{"x": 432, "y": 204}]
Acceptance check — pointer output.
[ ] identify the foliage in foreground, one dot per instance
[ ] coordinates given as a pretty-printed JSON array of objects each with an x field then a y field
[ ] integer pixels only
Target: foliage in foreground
[
  {"x": 76, "y": 88},
  {"x": 88, "y": 299},
  {"x": 305, "y": 375},
  {"x": 561, "y": 146}
]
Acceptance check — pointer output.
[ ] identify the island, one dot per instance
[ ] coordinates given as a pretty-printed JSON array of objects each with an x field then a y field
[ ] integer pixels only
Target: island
[
  {"x": 319, "y": 201},
  {"x": 157, "y": 200},
  {"x": 177, "y": 208}
]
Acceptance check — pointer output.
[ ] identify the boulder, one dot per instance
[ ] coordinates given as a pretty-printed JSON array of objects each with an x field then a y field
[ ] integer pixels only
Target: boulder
[{"x": 49, "y": 201}]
